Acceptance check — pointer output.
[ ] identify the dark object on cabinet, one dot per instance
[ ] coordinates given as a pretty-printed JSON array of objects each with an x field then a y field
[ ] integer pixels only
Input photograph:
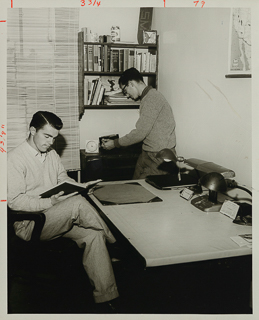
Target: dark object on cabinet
[{"x": 116, "y": 164}]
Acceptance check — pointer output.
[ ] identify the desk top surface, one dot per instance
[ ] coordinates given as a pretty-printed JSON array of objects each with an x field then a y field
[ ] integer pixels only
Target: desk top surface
[{"x": 174, "y": 231}]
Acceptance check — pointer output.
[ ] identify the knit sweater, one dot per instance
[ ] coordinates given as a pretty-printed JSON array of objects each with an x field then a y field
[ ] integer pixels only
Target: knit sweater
[
  {"x": 28, "y": 177},
  {"x": 155, "y": 126}
]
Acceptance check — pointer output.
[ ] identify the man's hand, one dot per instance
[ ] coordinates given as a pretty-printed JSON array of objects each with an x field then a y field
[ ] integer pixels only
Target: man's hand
[
  {"x": 108, "y": 144},
  {"x": 89, "y": 183},
  {"x": 56, "y": 198},
  {"x": 183, "y": 165}
]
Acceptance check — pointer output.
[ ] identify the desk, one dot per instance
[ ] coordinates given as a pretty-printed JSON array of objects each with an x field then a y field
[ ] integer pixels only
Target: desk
[
  {"x": 188, "y": 263},
  {"x": 173, "y": 231}
]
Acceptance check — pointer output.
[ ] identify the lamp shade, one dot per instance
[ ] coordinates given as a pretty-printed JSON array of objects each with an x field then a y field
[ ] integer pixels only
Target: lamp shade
[
  {"x": 214, "y": 181},
  {"x": 167, "y": 155}
]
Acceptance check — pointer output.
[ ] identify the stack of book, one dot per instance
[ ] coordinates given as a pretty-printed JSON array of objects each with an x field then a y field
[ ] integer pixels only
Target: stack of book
[
  {"x": 93, "y": 91},
  {"x": 118, "y": 98}
]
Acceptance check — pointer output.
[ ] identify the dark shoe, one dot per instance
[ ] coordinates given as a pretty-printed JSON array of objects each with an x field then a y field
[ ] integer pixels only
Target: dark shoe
[
  {"x": 115, "y": 252},
  {"x": 108, "y": 306}
]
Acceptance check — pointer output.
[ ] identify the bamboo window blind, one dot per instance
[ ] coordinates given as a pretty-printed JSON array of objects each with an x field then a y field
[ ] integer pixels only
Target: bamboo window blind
[{"x": 42, "y": 74}]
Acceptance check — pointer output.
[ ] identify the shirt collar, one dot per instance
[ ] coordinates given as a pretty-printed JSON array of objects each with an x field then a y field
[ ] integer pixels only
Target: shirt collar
[
  {"x": 37, "y": 154},
  {"x": 145, "y": 91}
]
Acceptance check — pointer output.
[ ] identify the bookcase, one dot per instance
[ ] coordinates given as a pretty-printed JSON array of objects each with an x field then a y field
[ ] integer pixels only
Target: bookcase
[{"x": 100, "y": 66}]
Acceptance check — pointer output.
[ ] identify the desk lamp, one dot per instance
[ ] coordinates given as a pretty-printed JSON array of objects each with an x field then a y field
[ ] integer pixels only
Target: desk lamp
[
  {"x": 215, "y": 183},
  {"x": 168, "y": 155}
]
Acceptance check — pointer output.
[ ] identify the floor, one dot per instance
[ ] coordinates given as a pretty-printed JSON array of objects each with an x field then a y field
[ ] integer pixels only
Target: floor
[{"x": 199, "y": 288}]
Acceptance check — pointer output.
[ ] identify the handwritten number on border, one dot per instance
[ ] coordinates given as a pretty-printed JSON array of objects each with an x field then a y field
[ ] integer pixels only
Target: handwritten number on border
[{"x": 202, "y": 3}]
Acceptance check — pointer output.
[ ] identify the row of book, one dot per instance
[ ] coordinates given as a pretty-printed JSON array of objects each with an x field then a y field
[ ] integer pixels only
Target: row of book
[
  {"x": 103, "y": 58},
  {"x": 97, "y": 92},
  {"x": 93, "y": 91}
]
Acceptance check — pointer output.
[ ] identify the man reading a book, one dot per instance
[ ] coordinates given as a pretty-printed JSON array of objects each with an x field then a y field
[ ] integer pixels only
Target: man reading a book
[
  {"x": 33, "y": 167},
  {"x": 155, "y": 127}
]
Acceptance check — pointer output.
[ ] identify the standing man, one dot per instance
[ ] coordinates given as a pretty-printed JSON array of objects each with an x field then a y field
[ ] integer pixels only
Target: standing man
[
  {"x": 33, "y": 167},
  {"x": 155, "y": 126}
]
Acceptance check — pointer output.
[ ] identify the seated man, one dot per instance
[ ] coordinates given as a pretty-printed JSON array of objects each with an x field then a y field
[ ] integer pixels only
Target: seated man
[{"x": 34, "y": 167}]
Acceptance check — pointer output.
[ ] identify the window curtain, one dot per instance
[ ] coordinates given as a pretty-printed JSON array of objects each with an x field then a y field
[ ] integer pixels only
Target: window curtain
[{"x": 42, "y": 74}]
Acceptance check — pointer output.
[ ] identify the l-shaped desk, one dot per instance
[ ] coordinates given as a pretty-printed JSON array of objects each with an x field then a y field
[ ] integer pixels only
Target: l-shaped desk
[
  {"x": 173, "y": 231},
  {"x": 179, "y": 259}
]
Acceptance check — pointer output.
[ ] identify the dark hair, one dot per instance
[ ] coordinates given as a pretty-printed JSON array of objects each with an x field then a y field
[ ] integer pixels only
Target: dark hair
[
  {"x": 130, "y": 74},
  {"x": 41, "y": 118}
]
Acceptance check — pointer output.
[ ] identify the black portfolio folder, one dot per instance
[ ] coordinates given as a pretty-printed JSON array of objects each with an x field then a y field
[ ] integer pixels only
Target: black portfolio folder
[{"x": 171, "y": 180}]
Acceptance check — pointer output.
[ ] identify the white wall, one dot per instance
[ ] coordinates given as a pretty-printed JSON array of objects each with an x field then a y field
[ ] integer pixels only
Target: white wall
[
  {"x": 213, "y": 114},
  {"x": 96, "y": 123}
]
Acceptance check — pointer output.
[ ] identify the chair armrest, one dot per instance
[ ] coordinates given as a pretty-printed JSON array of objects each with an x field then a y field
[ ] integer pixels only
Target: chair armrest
[{"x": 38, "y": 217}]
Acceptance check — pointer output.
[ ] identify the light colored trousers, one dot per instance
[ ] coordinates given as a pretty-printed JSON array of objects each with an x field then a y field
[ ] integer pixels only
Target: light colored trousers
[{"x": 76, "y": 219}]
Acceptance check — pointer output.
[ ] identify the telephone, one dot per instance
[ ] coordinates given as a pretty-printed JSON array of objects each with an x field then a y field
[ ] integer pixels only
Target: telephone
[{"x": 244, "y": 214}]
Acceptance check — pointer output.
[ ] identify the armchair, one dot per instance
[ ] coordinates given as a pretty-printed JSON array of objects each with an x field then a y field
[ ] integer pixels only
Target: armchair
[{"x": 43, "y": 276}]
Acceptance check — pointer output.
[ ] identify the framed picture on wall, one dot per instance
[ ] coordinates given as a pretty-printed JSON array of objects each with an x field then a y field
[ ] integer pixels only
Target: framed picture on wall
[
  {"x": 239, "y": 55},
  {"x": 149, "y": 36}
]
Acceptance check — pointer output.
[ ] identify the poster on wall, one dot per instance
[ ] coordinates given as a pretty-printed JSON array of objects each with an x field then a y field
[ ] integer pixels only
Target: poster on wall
[{"x": 240, "y": 42}]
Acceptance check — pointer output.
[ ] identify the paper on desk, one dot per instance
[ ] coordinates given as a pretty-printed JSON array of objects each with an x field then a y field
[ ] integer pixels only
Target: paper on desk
[{"x": 241, "y": 241}]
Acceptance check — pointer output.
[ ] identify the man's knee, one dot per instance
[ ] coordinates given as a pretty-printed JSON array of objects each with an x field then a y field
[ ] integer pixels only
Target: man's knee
[
  {"x": 92, "y": 239},
  {"x": 80, "y": 203}
]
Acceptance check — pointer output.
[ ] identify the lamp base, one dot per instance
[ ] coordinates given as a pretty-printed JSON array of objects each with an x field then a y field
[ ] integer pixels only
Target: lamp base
[{"x": 203, "y": 203}]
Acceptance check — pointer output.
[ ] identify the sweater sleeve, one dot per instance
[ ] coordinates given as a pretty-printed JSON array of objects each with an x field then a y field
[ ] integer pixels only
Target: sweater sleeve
[
  {"x": 17, "y": 199},
  {"x": 148, "y": 115}
]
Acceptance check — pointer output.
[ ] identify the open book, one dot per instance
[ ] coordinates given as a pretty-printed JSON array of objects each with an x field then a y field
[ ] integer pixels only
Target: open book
[{"x": 68, "y": 187}]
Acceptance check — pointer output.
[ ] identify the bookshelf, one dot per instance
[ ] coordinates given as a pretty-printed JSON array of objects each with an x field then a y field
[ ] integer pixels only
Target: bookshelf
[{"x": 106, "y": 62}]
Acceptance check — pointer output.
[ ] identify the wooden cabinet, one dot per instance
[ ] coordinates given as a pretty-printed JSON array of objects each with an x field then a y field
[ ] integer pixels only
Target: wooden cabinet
[{"x": 113, "y": 165}]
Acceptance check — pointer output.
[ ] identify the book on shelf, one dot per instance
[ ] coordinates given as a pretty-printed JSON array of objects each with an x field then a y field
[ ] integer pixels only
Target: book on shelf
[
  {"x": 126, "y": 59},
  {"x": 85, "y": 58},
  {"x": 101, "y": 94},
  {"x": 86, "y": 90},
  {"x": 101, "y": 62},
  {"x": 68, "y": 187},
  {"x": 90, "y": 62},
  {"x": 106, "y": 63},
  {"x": 152, "y": 63},
  {"x": 131, "y": 58},
  {"x": 114, "y": 60},
  {"x": 121, "y": 60},
  {"x": 147, "y": 67},
  {"x": 88, "y": 84},
  {"x": 95, "y": 57},
  {"x": 140, "y": 58},
  {"x": 96, "y": 92},
  {"x": 93, "y": 88}
]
